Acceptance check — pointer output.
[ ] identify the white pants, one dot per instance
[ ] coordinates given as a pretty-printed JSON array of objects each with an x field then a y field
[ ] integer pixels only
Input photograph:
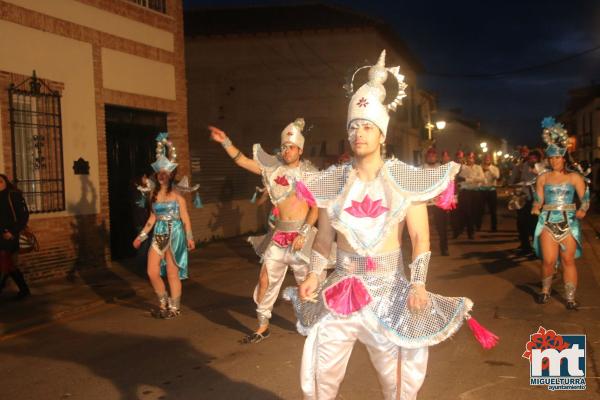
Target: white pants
[
  {"x": 276, "y": 262},
  {"x": 327, "y": 350}
]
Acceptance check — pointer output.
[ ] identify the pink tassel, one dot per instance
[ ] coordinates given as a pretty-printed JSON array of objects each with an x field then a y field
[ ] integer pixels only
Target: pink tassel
[
  {"x": 446, "y": 199},
  {"x": 486, "y": 338},
  {"x": 303, "y": 193},
  {"x": 275, "y": 212},
  {"x": 371, "y": 264}
]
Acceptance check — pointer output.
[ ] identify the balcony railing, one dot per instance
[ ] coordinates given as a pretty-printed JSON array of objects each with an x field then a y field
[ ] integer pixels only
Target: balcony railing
[{"x": 156, "y": 5}]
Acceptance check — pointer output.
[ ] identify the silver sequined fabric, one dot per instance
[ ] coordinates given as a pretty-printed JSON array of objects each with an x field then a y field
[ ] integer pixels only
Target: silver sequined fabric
[
  {"x": 418, "y": 268},
  {"x": 261, "y": 243},
  {"x": 399, "y": 185},
  {"x": 388, "y": 287},
  {"x": 272, "y": 167}
]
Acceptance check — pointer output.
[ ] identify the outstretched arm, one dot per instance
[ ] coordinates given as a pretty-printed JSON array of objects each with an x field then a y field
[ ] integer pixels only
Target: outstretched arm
[{"x": 236, "y": 155}]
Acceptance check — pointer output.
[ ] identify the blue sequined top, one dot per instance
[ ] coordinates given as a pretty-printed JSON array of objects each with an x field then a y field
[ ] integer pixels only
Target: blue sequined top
[
  {"x": 559, "y": 194},
  {"x": 168, "y": 209}
]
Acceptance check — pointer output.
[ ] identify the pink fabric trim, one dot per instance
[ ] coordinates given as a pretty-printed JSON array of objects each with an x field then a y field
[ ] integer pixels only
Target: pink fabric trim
[
  {"x": 282, "y": 180},
  {"x": 371, "y": 264},
  {"x": 446, "y": 200},
  {"x": 347, "y": 296},
  {"x": 303, "y": 193},
  {"x": 284, "y": 239}
]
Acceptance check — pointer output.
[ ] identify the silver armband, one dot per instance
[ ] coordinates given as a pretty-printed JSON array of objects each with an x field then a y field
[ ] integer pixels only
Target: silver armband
[
  {"x": 585, "y": 201},
  {"x": 226, "y": 143},
  {"x": 585, "y": 206},
  {"x": 418, "y": 268},
  {"x": 318, "y": 263},
  {"x": 142, "y": 236},
  {"x": 304, "y": 230}
]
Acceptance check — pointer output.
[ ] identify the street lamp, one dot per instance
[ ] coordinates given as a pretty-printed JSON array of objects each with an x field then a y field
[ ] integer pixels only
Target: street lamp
[{"x": 439, "y": 125}]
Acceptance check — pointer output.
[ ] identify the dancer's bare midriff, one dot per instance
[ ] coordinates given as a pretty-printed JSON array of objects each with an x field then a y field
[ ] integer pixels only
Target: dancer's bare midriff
[{"x": 293, "y": 209}]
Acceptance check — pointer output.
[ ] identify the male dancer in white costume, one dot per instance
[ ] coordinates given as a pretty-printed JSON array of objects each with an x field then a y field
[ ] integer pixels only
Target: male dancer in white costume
[
  {"x": 289, "y": 243},
  {"x": 368, "y": 297}
]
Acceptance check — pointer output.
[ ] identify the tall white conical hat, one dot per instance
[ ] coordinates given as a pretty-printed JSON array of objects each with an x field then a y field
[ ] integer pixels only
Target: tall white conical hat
[
  {"x": 293, "y": 133},
  {"x": 367, "y": 103}
]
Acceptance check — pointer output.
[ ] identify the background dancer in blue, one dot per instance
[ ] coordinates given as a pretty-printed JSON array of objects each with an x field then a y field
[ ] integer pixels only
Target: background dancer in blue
[{"x": 172, "y": 233}]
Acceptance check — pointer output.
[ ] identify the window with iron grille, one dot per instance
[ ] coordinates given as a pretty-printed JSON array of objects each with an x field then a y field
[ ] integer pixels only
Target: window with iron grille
[
  {"x": 156, "y": 5},
  {"x": 36, "y": 127}
]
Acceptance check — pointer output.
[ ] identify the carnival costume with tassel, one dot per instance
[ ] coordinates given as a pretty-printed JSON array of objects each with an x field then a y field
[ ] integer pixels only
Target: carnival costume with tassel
[
  {"x": 275, "y": 248},
  {"x": 365, "y": 298}
]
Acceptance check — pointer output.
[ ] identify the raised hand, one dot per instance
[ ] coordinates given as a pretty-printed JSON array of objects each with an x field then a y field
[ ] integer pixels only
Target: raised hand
[{"x": 216, "y": 134}]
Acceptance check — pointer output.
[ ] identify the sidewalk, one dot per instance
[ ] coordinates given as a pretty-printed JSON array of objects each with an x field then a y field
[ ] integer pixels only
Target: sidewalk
[
  {"x": 90, "y": 289},
  {"x": 60, "y": 298}
]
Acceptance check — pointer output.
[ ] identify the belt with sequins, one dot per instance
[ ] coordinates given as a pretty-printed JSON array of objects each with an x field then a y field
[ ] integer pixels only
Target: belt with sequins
[
  {"x": 559, "y": 207},
  {"x": 167, "y": 217}
]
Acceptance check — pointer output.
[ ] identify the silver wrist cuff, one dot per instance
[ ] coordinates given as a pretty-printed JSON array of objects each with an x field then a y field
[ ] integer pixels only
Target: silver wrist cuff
[
  {"x": 226, "y": 143},
  {"x": 304, "y": 230},
  {"x": 418, "y": 268},
  {"x": 318, "y": 263},
  {"x": 189, "y": 235},
  {"x": 142, "y": 236}
]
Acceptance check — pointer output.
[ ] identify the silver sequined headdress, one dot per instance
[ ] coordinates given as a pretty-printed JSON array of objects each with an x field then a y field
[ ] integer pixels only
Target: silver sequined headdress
[
  {"x": 367, "y": 102},
  {"x": 555, "y": 136},
  {"x": 164, "y": 163},
  {"x": 293, "y": 133}
]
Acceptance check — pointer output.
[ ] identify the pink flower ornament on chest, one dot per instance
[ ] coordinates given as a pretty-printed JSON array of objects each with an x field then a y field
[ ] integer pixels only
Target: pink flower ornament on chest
[
  {"x": 282, "y": 180},
  {"x": 366, "y": 208}
]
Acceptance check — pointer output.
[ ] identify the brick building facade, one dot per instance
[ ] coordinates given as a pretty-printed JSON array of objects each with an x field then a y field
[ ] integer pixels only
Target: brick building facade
[
  {"x": 112, "y": 73},
  {"x": 251, "y": 71}
]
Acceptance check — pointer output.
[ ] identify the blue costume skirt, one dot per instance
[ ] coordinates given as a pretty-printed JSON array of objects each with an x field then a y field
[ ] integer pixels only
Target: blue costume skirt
[
  {"x": 559, "y": 224},
  {"x": 169, "y": 236}
]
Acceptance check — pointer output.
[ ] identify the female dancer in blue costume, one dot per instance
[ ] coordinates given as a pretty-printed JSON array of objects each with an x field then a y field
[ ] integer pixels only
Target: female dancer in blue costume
[
  {"x": 172, "y": 235},
  {"x": 558, "y": 231}
]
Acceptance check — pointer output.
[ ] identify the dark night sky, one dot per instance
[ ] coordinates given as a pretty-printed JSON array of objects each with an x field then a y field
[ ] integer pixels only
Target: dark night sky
[{"x": 456, "y": 39}]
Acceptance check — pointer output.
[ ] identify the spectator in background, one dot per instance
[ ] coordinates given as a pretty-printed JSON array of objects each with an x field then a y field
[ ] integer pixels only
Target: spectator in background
[
  {"x": 489, "y": 196},
  {"x": 468, "y": 195},
  {"x": 445, "y": 157},
  {"x": 14, "y": 216},
  {"x": 455, "y": 217},
  {"x": 440, "y": 216},
  {"x": 525, "y": 173}
]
